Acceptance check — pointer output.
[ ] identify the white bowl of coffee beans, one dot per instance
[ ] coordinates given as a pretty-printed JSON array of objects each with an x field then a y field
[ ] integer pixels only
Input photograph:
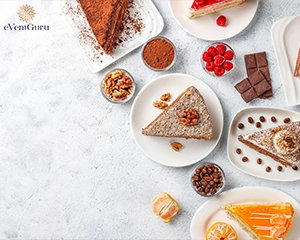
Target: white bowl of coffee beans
[{"x": 208, "y": 179}]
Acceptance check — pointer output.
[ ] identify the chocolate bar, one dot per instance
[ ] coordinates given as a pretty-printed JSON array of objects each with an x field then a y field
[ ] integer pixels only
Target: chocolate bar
[
  {"x": 258, "y": 61},
  {"x": 252, "y": 87}
]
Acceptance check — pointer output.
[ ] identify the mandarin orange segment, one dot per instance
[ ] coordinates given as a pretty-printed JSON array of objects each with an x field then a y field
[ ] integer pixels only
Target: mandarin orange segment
[
  {"x": 221, "y": 231},
  {"x": 165, "y": 206}
]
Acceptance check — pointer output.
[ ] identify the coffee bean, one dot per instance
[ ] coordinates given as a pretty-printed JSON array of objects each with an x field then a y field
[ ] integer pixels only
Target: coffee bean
[
  {"x": 259, "y": 161},
  {"x": 286, "y": 120},
  {"x": 240, "y": 126},
  {"x": 295, "y": 168},
  {"x": 250, "y": 120},
  {"x": 279, "y": 168},
  {"x": 273, "y": 119},
  {"x": 258, "y": 124},
  {"x": 268, "y": 169},
  {"x": 245, "y": 159},
  {"x": 238, "y": 151},
  {"x": 262, "y": 119}
]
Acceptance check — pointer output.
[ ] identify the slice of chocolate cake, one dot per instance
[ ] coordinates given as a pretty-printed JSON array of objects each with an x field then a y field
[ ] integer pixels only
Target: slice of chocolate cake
[
  {"x": 105, "y": 18},
  {"x": 280, "y": 143}
]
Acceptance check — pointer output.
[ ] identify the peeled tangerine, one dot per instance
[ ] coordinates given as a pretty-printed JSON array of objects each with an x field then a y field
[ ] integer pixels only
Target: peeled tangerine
[
  {"x": 165, "y": 206},
  {"x": 221, "y": 231}
]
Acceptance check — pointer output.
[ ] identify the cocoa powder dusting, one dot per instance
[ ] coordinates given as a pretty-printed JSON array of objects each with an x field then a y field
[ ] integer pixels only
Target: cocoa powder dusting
[{"x": 159, "y": 53}]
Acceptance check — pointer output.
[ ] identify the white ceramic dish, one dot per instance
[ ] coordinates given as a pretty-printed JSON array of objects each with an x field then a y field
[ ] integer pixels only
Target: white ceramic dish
[
  {"x": 238, "y": 18},
  {"x": 95, "y": 58},
  {"x": 211, "y": 211},
  {"x": 286, "y": 39},
  {"x": 252, "y": 167},
  {"x": 159, "y": 148}
]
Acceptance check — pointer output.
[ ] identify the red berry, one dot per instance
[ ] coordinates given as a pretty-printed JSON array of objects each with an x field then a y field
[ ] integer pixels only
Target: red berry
[
  {"x": 207, "y": 57},
  {"x": 219, "y": 60},
  {"x": 212, "y": 50},
  {"x": 221, "y": 48},
  {"x": 228, "y": 66},
  {"x": 228, "y": 55},
  {"x": 210, "y": 66},
  {"x": 219, "y": 71},
  {"x": 221, "y": 21}
]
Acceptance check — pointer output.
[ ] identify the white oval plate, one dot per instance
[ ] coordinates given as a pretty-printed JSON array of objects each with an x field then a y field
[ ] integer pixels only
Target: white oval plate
[
  {"x": 159, "y": 148},
  {"x": 286, "y": 40},
  {"x": 211, "y": 211},
  {"x": 251, "y": 167},
  {"x": 238, "y": 18}
]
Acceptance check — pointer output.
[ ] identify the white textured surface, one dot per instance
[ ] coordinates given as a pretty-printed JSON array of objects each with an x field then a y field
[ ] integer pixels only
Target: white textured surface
[{"x": 68, "y": 164}]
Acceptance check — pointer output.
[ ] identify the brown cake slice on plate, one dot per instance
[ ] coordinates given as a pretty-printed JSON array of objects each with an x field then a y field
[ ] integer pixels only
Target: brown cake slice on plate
[
  {"x": 105, "y": 18},
  {"x": 297, "y": 66},
  {"x": 186, "y": 117},
  {"x": 280, "y": 143}
]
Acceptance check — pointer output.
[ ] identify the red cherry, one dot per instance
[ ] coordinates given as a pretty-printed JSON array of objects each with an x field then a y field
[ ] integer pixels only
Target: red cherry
[
  {"x": 228, "y": 55},
  {"x": 228, "y": 66},
  {"x": 212, "y": 50},
  {"x": 210, "y": 66},
  {"x": 219, "y": 60},
  {"x": 221, "y": 48},
  {"x": 219, "y": 71},
  {"x": 221, "y": 21},
  {"x": 207, "y": 57}
]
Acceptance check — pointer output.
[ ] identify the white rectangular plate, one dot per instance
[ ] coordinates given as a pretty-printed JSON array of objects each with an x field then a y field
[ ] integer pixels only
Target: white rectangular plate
[
  {"x": 286, "y": 38},
  {"x": 140, "y": 12},
  {"x": 252, "y": 167}
]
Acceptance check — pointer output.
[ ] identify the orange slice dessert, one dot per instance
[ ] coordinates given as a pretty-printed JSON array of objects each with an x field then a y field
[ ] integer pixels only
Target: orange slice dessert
[
  {"x": 263, "y": 221},
  {"x": 221, "y": 231},
  {"x": 165, "y": 206}
]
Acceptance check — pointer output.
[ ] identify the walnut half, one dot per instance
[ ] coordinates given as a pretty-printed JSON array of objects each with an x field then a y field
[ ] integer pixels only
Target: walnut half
[
  {"x": 188, "y": 117},
  {"x": 176, "y": 146}
]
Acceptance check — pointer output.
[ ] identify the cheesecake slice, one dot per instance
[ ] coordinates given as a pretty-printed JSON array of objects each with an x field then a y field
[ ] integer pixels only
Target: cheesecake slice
[
  {"x": 203, "y": 7},
  {"x": 280, "y": 143},
  {"x": 186, "y": 117},
  {"x": 105, "y": 18},
  {"x": 263, "y": 221}
]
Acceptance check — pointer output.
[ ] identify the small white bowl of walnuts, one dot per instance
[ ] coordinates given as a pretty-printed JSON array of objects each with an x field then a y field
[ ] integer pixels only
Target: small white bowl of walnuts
[{"x": 118, "y": 86}]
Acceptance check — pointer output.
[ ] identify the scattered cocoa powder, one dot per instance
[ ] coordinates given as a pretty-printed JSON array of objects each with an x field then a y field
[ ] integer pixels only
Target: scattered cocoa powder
[{"x": 159, "y": 53}]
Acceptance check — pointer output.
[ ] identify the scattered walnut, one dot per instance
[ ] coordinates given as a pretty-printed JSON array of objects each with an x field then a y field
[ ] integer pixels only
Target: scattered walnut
[
  {"x": 176, "y": 146},
  {"x": 165, "y": 97},
  {"x": 188, "y": 117},
  {"x": 160, "y": 105},
  {"x": 117, "y": 85}
]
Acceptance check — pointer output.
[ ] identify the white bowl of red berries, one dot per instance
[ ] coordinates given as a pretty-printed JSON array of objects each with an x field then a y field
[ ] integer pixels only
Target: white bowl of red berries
[{"x": 218, "y": 59}]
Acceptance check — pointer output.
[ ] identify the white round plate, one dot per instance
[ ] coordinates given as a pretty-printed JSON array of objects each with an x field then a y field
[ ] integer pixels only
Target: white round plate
[
  {"x": 159, "y": 148},
  {"x": 238, "y": 18},
  {"x": 211, "y": 211},
  {"x": 251, "y": 167}
]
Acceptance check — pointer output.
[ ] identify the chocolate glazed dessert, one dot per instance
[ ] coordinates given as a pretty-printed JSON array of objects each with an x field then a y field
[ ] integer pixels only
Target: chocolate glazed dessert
[{"x": 105, "y": 18}]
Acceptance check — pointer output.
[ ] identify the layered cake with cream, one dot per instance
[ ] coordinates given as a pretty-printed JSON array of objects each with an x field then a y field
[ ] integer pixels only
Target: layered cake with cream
[
  {"x": 105, "y": 18},
  {"x": 263, "y": 220},
  {"x": 203, "y": 7},
  {"x": 280, "y": 143}
]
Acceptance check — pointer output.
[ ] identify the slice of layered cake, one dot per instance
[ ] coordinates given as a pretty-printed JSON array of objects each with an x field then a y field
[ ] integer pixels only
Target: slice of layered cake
[
  {"x": 263, "y": 221},
  {"x": 203, "y": 7},
  {"x": 186, "y": 117},
  {"x": 297, "y": 66},
  {"x": 280, "y": 143},
  {"x": 105, "y": 18}
]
